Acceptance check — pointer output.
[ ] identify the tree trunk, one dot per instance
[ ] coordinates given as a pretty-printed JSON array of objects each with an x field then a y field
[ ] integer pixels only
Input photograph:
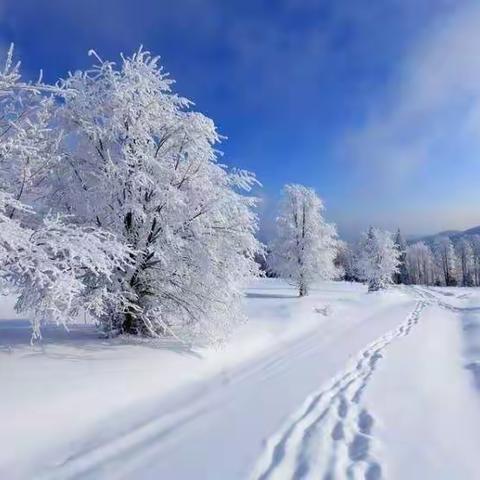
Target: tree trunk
[
  {"x": 374, "y": 286},
  {"x": 130, "y": 324}
]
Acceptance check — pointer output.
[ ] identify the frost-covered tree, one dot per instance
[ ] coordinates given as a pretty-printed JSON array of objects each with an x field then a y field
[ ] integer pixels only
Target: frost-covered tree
[
  {"x": 28, "y": 142},
  {"x": 377, "y": 260},
  {"x": 346, "y": 261},
  {"x": 475, "y": 242},
  {"x": 305, "y": 245},
  {"x": 139, "y": 164},
  {"x": 464, "y": 253},
  {"x": 54, "y": 267},
  {"x": 401, "y": 277},
  {"x": 420, "y": 264},
  {"x": 446, "y": 260}
]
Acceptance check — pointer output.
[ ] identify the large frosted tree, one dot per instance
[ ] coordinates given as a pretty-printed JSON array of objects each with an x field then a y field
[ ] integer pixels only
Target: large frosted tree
[
  {"x": 378, "y": 259},
  {"x": 54, "y": 267},
  {"x": 141, "y": 165},
  {"x": 305, "y": 245}
]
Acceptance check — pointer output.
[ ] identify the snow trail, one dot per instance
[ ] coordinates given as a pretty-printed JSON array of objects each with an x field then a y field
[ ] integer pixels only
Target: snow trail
[
  {"x": 135, "y": 439},
  {"x": 155, "y": 432},
  {"x": 330, "y": 437}
]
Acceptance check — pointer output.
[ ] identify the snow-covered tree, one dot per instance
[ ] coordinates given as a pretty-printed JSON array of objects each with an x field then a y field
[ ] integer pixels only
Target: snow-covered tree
[
  {"x": 305, "y": 245},
  {"x": 28, "y": 142},
  {"x": 401, "y": 277},
  {"x": 54, "y": 267},
  {"x": 446, "y": 260},
  {"x": 138, "y": 163},
  {"x": 377, "y": 260},
  {"x": 420, "y": 264},
  {"x": 475, "y": 242},
  {"x": 57, "y": 269},
  {"x": 346, "y": 261},
  {"x": 464, "y": 253}
]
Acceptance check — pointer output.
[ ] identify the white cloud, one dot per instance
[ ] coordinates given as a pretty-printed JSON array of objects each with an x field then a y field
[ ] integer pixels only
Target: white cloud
[
  {"x": 433, "y": 101},
  {"x": 415, "y": 159}
]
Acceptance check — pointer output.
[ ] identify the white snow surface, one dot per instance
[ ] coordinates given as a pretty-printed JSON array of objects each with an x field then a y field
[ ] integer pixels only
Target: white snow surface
[{"x": 339, "y": 384}]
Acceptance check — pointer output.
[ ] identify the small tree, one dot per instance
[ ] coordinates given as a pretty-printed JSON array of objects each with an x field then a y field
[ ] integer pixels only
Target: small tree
[
  {"x": 475, "y": 242},
  {"x": 345, "y": 261},
  {"x": 377, "y": 259},
  {"x": 305, "y": 246},
  {"x": 420, "y": 264},
  {"x": 464, "y": 252},
  {"x": 401, "y": 277},
  {"x": 446, "y": 260}
]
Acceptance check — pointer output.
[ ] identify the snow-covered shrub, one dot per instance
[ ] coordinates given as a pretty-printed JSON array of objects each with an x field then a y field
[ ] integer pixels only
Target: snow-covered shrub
[
  {"x": 305, "y": 246},
  {"x": 377, "y": 259},
  {"x": 138, "y": 163}
]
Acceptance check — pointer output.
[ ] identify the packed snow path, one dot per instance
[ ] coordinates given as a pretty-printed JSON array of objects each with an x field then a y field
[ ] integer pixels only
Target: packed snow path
[
  {"x": 230, "y": 394},
  {"x": 272, "y": 405},
  {"x": 329, "y": 438}
]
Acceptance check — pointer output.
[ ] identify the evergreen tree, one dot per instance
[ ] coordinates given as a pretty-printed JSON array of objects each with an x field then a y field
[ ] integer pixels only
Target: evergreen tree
[{"x": 401, "y": 277}]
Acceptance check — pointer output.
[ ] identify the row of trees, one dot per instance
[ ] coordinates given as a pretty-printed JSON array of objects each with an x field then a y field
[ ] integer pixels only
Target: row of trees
[
  {"x": 307, "y": 249},
  {"x": 446, "y": 263},
  {"x": 112, "y": 202},
  {"x": 443, "y": 263}
]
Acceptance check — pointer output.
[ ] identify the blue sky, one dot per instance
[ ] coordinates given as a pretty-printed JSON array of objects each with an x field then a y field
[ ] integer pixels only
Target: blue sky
[{"x": 375, "y": 104}]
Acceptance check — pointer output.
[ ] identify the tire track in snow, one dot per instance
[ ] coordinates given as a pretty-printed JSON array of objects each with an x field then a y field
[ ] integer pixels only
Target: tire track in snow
[{"x": 331, "y": 435}]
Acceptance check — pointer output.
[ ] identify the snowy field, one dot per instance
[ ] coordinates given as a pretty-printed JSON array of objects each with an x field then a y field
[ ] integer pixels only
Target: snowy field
[{"x": 339, "y": 384}]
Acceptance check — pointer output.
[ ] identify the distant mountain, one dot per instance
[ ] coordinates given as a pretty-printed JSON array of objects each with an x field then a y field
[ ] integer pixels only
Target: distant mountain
[
  {"x": 472, "y": 231},
  {"x": 453, "y": 234}
]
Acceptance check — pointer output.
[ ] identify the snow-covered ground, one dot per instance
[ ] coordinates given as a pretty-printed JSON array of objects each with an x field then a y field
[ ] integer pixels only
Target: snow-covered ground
[{"x": 340, "y": 384}]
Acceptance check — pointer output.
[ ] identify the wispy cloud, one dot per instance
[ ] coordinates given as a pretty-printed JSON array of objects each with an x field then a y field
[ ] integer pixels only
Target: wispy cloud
[
  {"x": 414, "y": 158},
  {"x": 433, "y": 102}
]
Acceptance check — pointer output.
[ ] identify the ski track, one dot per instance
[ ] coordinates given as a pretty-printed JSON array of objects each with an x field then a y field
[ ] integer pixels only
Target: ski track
[
  {"x": 93, "y": 456},
  {"x": 331, "y": 436},
  {"x": 336, "y": 407}
]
